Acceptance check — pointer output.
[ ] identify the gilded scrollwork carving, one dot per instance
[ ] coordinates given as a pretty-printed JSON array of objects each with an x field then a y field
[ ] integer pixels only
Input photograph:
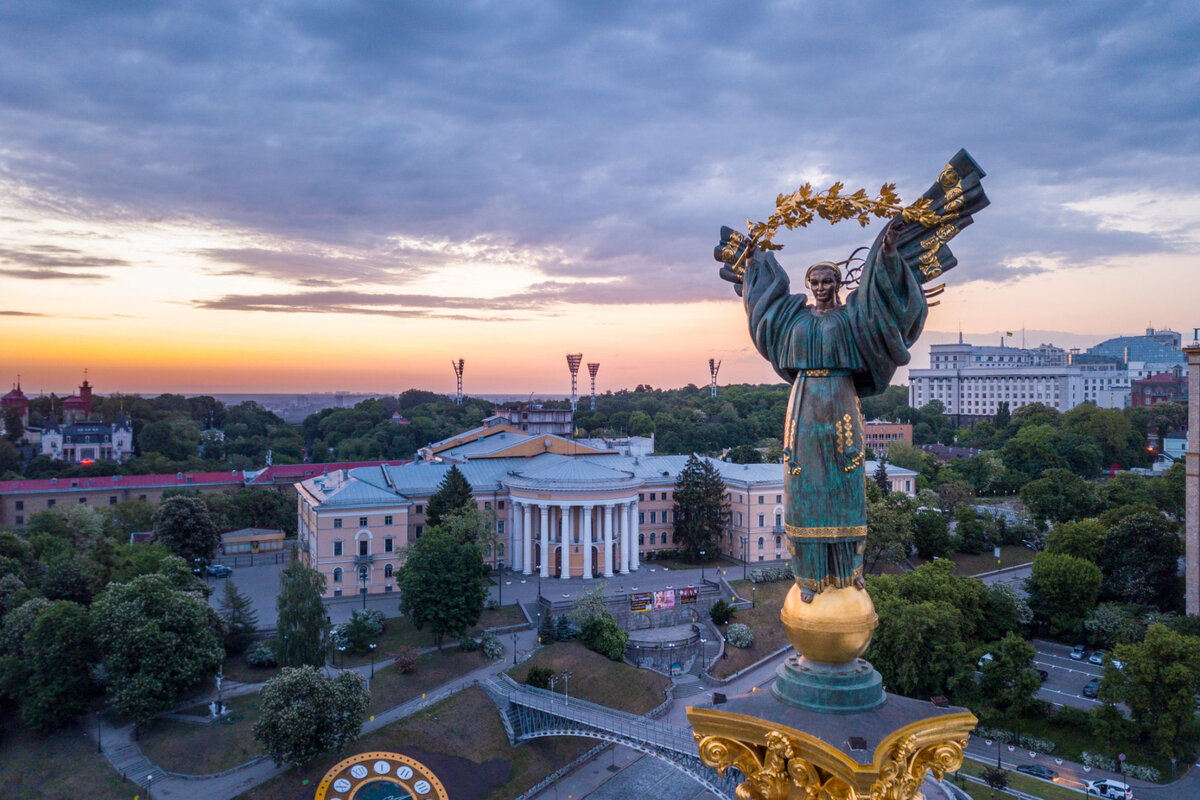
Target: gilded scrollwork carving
[
  {"x": 774, "y": 771},
  {"x": 902, "y": 774}
]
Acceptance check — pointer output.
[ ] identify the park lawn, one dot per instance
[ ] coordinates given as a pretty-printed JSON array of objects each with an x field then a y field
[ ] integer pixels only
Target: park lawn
[
  {"x": 466, "y": 725},
  {"x": 55, "y": 765},
  {"x": 398, "y": 632},
  {"x": 1023, "y": 783},
  {"x": 390, "y": 687},
  {"x": 235, "y": 668},
  {"x": 680, "y": 563},
  {"x": 598, "y": 679},
  {"x": 763, "y": 620},
  {"x": 204, "y": 749}
]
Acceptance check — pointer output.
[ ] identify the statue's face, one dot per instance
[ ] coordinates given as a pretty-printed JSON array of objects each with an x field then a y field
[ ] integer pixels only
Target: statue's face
[{"x": 824, "y": 286}]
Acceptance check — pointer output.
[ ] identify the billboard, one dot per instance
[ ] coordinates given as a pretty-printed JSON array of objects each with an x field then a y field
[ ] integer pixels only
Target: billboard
[
  {"x": 664, "y": 599},
  {"x": 688, "y": 595}
]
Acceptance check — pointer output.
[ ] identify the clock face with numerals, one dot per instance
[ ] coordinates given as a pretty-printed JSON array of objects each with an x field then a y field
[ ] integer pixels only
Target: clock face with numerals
[{"x": 380, "y": 776}]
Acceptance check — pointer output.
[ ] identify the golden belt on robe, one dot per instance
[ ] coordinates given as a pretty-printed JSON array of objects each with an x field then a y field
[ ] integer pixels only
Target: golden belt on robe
[
  {"x": 822, "y": 373},
  {"x": 798, "y": 532}
]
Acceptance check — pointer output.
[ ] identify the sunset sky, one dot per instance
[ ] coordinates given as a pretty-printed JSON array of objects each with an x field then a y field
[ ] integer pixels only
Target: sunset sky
[{"x": 309, "y": 196}]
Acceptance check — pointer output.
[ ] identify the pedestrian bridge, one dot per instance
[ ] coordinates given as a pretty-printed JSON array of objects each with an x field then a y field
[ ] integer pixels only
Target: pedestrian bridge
[{"x": 529, "y": 713}]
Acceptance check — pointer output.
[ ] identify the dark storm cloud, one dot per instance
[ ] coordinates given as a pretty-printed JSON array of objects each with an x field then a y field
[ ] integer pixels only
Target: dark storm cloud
[
  {"x": 49, "y": 256},
  {"x": 51, "y": 275},
  {"x": 621, "y": 136}
]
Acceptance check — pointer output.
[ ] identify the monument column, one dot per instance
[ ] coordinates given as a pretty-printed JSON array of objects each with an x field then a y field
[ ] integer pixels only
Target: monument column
[
  {"x": 608, "y": 540},
  {"x": 587, "y": 542},
  {"x": 567, "y": 538},
  {"x": 545, "y": 531},
  {"x": 527, "y": 536},
  {"x": 1191, "y": 477}
]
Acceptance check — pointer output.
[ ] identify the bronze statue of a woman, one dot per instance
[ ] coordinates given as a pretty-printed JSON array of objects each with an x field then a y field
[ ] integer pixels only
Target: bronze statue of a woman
[{"x": 833, "y": 353}]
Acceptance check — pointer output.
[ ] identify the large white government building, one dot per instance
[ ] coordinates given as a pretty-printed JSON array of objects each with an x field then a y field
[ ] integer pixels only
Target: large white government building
[
  {"x": 562, "y": 508},
  {"x": 971, "y": 381}
]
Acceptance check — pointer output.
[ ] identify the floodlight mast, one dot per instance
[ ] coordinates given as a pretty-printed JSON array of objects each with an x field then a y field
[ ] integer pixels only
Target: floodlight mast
[
  {"x": 713, "y": 367},
  {"x": 592, "y": 370},
  {"x": 573, "y": 362},
  {"x": 457, "y": 366}
]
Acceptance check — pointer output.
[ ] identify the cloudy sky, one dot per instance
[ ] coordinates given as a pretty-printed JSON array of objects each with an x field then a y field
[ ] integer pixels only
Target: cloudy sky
[{"x": 296, "y": 196}]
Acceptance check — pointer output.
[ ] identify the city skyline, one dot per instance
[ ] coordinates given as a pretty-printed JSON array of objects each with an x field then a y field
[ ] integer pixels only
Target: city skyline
[{"x": 289, "y": 198}]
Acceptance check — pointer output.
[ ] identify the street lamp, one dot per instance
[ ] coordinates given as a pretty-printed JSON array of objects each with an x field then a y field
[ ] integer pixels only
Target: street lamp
[
  {"x": 745, "y": 554},
  {"x": 373, "y": 646},
  {"x": 701, "y": 566},
  {"x": 362, "y": 577},
  {"x": 753, "y": 596},
  {"x": 566, "y": 676},
  {"x": 514, "y": 648},
  {"x": 342, "y": 650},
  {"x": 149, "y": 780}
]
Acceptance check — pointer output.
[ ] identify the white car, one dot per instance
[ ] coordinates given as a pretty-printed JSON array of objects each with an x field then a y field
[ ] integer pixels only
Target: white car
[{"x": 1111, "y": 789}]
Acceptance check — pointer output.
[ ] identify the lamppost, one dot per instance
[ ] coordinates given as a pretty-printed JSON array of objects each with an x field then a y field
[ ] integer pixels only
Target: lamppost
[
  {"x": 701, "y": 566},
  {"x": 149, "y": 780},
  {"x": 362, "y": 577},
  {"x": 745, "y": 554},
  {"x": 99, "y": 729},
  {"x": 342, "y": 650},
  {"x": 514, "y": 648},
  {"x": 753, "y": 596},
  {"x": 373, "y": 646},
  {"x": 499, "y": 577}
]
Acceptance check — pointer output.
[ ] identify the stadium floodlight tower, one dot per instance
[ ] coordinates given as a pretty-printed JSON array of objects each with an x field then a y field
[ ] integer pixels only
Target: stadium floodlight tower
[
  {"x": 713, "y": 367},
  {"x": 592, "y": 370},
  {"x": 573, "y": 362},
  {"x": 458, "y": 370}
]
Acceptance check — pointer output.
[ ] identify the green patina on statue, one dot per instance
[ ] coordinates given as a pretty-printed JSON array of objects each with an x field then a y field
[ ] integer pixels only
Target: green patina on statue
[{"x": 833, "y": 353}]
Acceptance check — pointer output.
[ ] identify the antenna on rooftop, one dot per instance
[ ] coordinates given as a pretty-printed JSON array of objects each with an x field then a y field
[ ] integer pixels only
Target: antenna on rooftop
[
  {"x": 457, "y": 366},
  {"x": 713, "y": 367},
  {"x": 573, "y": 362},
  {"x": 592, "y": 370}
]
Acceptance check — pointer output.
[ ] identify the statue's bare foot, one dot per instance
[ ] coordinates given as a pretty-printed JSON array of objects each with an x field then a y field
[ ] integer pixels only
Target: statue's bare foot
[
  {"x": 806, "y": 595},
  {"x": 860, "y": 583}
]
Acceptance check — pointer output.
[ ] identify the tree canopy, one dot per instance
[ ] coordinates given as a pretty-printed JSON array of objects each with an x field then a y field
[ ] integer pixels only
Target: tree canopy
[
  {"x": 302, "y": 629},
  {"x": 453, "y": 495},
  {"x": 184, "y": 525},
  {"x": 303, "y": 714},
  {"x": 701, "y": 509},
  {"x": 441, "y": 584}
]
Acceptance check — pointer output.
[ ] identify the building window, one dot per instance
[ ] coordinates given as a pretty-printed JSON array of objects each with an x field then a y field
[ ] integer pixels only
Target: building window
[
  {"x": 20, "y": 505},
  {"x": 652, "y": 497},
  {"x": 420, "y": 509},
  {"x": 760, "y": 543},
  {"x": 388, "y": 545},
  {"x": 337, "y": 592},
  {"x": 83, "y": 501},
  {"x": 387, "y": 571},
  {"x": 20, "y": 519},
  {"x": 778, "y": 520},
  {"x": 641, "y": 497},
  {"x": 362, "y": 576},
  {"x": 778, "y": 542},
  {"x": 49, "y": 504},
  {"x": 420, "y": 530},
  {"x": 778, "y": 498},
  {"x": 653, "y": 517},
  {"x": 363, "y": 547},
  {"x": 499, "y": 505},
  {"x": 337, "y": 522},
  {"x": 142, "y": 497},
  {"x": 387, "y": 520},
  {"x": 641, "y": 517},
  {"x": 337, "y": 574},
  {"x": 739, "y": 519},
  {"x": 500, "y": 526},
  {"x": 762, "y": 498},
  {"x": 362, "y": 522},
  {"x": 641, "y": 538}
]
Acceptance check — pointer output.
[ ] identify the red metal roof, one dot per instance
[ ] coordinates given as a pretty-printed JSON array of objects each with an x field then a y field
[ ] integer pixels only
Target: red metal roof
[
  {"x": 184, "y": 479},
  {"x": 291, "y": 473}
]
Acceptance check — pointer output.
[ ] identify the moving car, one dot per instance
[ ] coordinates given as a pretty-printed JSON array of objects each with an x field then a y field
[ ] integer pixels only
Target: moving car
[
  {"x": 1091, "y": 688},
  {"x": 984, "y": 660},
  {"x": 219, "y": 570},
  {"x": 1043, "y": 675},
  {"x": 1111, "y": 789},
  {"x": 1038, "y": 771},
  {"x": 1079, "y": 652}
]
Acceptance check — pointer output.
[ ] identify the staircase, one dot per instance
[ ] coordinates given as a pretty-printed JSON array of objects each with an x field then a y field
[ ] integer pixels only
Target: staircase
[{"x": 132, "y": 764}]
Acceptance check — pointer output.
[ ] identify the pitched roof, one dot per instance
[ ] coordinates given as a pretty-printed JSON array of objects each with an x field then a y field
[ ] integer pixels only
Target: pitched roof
[
  {"x": 291, "y": 473},
  {"x": 181, "y": 479}
]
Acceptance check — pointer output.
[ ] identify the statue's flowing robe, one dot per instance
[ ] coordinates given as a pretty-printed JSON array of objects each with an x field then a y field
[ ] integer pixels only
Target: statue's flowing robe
[{"x": 832, "y": 359}]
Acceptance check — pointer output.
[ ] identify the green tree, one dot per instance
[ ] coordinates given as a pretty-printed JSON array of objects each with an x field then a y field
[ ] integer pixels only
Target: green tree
[
  {"x": 50, "y": 680},
  {"x": 744, "y": 454},
  {"x": 440, "y": 585},
  {"x": 1139, "y": 557},
  {"x": 881, "y": 477},
  {"x": 605, "y": 636},
  {"x": 303, "y": 714},
  {"x": 640, "y": 424},
  {"x": 918, "y": 647},
  {"x": 453, "y": 495},
  {"x": 931, "y": 534},
  {"x": 1059, "y": 495},
  {"x": 972, "y": 530},
  {"x": 303, "y": 630},
  {"x": 155, "y": 641},
  {"x": 239, "y": 616},
  {"x": 1081, "y": 539},
  {"x": 1159, "y": 683},
  {"x": 1062, "y": 590},
  {"x": 700, "y": 510},
  {"x": 184, "y": 525},
  {"x": 1009, "y": 680},
  {"x": 889, "y": 530}
]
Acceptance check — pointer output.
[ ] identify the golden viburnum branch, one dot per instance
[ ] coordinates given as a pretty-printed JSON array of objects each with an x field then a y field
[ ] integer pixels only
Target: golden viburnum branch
[{"x": 798, "y": 209}]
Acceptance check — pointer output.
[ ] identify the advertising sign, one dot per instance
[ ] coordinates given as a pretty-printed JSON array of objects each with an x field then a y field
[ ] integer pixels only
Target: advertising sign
[
  {"x": 640, "y": 601},
  {"x": 664, "y": 599},
  {"x": 688, "y": 595}
]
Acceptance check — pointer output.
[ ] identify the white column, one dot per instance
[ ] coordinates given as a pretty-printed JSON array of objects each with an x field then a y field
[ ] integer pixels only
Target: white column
[
  {"x": 623, "y": 522},
  {"x": 527, "y": 537},
  {"x": 635, "y": 556},
  {"x": 608, "y": 541},
  {"x": 545, "y": 565},
  {"x": 587, "y": 542},
  {"x": 567, "y": 538}
]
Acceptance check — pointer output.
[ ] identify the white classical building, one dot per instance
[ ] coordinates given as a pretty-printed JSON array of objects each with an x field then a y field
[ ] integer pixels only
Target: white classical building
[{"x": 589, "y": 515}]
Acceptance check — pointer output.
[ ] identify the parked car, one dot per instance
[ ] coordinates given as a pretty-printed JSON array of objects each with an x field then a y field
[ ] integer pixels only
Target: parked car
[
  {"x": 1038, "y": 771},
  {"x": 1079, "y": 652},
  {"x": 219, "y": 570},
  {"x": 1091, "y": 688},
  {"x": 1097, "y": 657},
  {"x": 1111, "y": 789},
  {"x": 1043, "y": 675}
]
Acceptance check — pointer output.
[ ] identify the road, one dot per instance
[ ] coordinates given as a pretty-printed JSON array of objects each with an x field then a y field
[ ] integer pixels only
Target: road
[{"x": 1067, "y": 676}]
